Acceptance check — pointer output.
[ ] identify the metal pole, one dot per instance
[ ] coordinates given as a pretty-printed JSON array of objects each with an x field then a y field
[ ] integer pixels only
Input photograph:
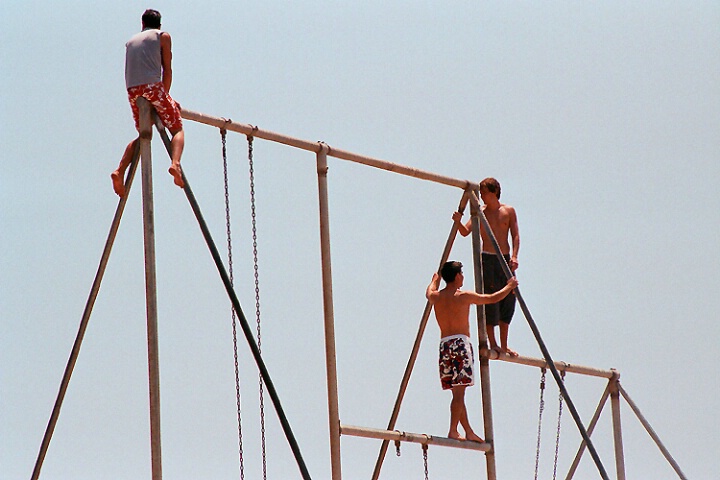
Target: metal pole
[
  {"x": 398, "y": 436},
  {"x": 652, "y": 433},
  {"x": 416, "y": 348},
  {"x": 247, "y": 331},
  {"x": 546, "y": 354},
  {"x": 318, "y": 146},
  {"x": 150, "y": 285},
  {"x": 482, "y": 339},
  {"x": 330, "y": 357},
  {"x": 542, "y": 363},
  {"x": 591, "y": 428},
  {"x": 94, "y": 290},
  {"x": 617, "y": 428}
]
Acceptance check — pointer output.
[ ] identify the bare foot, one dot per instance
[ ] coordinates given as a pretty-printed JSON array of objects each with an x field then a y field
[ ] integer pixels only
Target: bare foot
[
  {"x": 118, "y": 184},
  {"x": 456, "y": 436},
  {"x": 511, "y": 352},
  {"x": 176, "y": 172},
  {"x": 472, "y": 436}
]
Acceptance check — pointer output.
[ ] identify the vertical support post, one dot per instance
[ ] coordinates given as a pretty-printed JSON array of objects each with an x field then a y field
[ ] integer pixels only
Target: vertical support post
[
  {"x": 482, "y": 339},
  {"x": 329, "y": 316},
  {"x": 150, "y": 285},
  {"x": 617, "y": 428}
]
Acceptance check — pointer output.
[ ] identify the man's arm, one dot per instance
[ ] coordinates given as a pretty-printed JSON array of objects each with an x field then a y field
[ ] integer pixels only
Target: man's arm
[
  {"x": 463, "y": 229},
  {"x": 166, "y": 56},
  {"x": 431, "y": 293},
  {"x": 485, "y": 298},
  {"x": 515, "y": 236}
]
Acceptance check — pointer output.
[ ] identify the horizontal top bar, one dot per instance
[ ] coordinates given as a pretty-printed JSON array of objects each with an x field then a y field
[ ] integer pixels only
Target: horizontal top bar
[
  {"x": 561, "y": 366},
  {"x": 317, "y": 147},
  {"x": 396, "y": 435}
]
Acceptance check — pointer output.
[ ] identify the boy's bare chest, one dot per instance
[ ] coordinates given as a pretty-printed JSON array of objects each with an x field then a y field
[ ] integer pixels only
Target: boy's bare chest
[{"x": 499, "y": 220}]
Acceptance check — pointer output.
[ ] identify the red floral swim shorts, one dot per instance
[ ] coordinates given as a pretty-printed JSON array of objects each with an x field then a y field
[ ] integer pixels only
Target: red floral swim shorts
[
  {"x": 166, "y": 108},
  {"x": 456, "y": 362}
]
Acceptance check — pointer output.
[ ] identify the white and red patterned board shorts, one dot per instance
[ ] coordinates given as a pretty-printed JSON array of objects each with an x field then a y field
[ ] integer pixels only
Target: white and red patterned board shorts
[
  {"x": 456, "y": 362},
  {"x": 166, "y": 108}
]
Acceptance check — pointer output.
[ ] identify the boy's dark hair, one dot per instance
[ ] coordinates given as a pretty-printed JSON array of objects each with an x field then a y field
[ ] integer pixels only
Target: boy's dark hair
[
  {"x": 450, "y": 270},
  {"x": 491, "y": 185},
  {"x": 151, "y": 18}
]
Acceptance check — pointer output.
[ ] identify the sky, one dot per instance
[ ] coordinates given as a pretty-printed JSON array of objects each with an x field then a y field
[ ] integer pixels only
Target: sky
[{"x": 599, "y": 119}]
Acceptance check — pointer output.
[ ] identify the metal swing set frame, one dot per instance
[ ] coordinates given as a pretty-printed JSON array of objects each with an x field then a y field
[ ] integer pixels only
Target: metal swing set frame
[{"x": 142, "y": 155}]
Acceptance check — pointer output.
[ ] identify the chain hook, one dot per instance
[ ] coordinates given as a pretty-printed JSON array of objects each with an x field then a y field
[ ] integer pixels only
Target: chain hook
[{"x": 425, "y": 459}]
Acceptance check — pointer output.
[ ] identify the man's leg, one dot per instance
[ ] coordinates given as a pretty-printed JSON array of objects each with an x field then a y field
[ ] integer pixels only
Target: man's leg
[
  {"x": 118, "y": 176},
  {"x": 458, "y": 414},
  {"x": 457, "y": 404},
  {"x": 469, "y": 433},
  {"x": 169, "y": 111},
  {"x": 504, "y": 329},
  {"x": 176, "y": 146},
  {"x": 490, "y": 329}
]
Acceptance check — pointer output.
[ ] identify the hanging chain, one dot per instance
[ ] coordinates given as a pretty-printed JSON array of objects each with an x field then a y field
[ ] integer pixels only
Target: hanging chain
[
  {"x": 540, "y": 414},
  {"x": 397, "y": 447},
  {"x": 425, "y": 461},
  {"x": 223, "y": 134},
  {"x": 557, "y": 437},
  {"x": 257, "y": 298}
]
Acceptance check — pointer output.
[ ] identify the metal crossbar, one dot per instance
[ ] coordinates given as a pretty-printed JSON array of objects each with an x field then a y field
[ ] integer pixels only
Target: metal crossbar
[
  {"x": 542, "y": 363},
  {"x": 400, "y": 436},
  {"x": 317, "y": 147}
]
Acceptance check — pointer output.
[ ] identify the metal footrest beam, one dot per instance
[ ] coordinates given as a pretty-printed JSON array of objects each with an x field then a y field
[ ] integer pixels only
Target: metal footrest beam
[
  {"x": 561, "y": 366},
  {"x": 398, "y": 436}
]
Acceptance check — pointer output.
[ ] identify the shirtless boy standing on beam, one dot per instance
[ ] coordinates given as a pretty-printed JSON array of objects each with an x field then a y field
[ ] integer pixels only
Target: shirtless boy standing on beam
[
  {"x": 503, "y": 223},
  {"x": 452, "y": 311}
]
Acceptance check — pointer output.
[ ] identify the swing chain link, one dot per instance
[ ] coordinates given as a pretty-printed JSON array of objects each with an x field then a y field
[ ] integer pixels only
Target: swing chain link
[
  {"x": 557, "y": 438},
  {"x": 257, "y": 298},
  {"x": 540, "y": 414},
  {"x": 425, "y": 459},
  {"x": 223, "y": 134},
  {"x": 397, "y": 447}
]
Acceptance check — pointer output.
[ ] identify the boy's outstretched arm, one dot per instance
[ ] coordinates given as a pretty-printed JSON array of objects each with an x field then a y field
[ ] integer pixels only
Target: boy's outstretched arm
[{"x": 485, "y": 298}]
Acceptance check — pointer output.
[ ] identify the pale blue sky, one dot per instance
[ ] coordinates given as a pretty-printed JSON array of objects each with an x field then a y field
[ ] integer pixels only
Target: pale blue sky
[{"x": 600, "y": 119}]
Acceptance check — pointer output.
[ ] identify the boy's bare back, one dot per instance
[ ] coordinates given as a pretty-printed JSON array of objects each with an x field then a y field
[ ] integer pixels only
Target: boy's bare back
[
  {"x": 452, "y": 310},
  {"x": 452, "y": 305}
]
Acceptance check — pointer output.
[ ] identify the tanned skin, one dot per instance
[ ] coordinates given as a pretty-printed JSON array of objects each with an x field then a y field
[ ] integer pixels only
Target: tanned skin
[
  {"x": 177, "y": 143},
  {"x": 452, "y": 311},
  {"x": 503, "y": 223}
]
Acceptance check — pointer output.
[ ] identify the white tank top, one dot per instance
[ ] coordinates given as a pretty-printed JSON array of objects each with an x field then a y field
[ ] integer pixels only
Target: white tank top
[{"x": 143, "y": 61}]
